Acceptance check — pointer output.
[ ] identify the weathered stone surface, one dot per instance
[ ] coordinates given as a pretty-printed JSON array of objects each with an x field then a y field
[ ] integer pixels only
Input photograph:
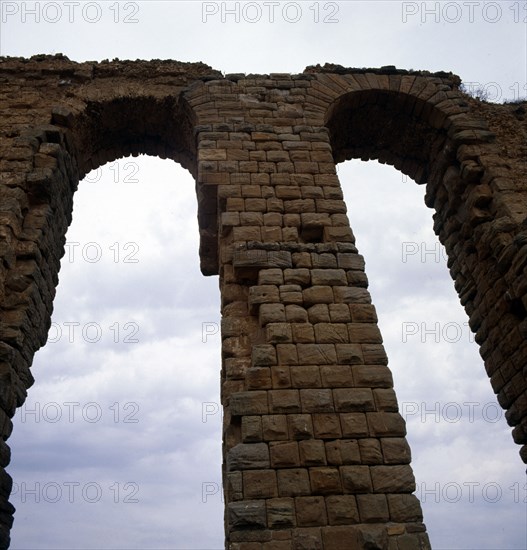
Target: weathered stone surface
[
  {"x": 247, "y": 514},
  {"x": 259, "y": 484},
  {"x": 311, "y": 511},
  {"x": 293, "y": 482},
  {"x": 315, "y": 451},
  {"x": 342, "y": 510},
  {"x": 356, "y": 479},
  {"x": 248, "y": 456},
  {"x": 281, "y": 513}
]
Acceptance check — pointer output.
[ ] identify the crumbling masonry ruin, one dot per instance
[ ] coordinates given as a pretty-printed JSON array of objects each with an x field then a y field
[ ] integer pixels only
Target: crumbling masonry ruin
[{"x": 315, "y": 455}]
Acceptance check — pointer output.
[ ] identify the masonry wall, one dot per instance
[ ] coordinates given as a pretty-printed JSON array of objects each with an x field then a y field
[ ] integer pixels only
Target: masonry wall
[{"x": 315, "y": 455}]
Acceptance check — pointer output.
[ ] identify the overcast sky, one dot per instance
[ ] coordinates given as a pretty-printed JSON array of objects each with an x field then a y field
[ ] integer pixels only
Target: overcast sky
[{"x": 119, "y": 443}]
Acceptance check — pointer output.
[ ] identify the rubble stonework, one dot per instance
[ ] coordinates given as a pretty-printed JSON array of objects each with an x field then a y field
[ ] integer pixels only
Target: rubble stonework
[{"x": 315, "y": 454}]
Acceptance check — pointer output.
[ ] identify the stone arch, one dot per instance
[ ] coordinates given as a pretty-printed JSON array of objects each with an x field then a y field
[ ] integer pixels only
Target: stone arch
[
  {"x": 74, "y": 144},
  {"x": 314, "y": 449},
  {"x": 78, "y": 139},
  {"x": 381, "y": 125},
  {"x": 437, "y": 136}
]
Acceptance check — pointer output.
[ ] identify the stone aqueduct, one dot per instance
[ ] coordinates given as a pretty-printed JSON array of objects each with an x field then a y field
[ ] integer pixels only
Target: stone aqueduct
[{"x": 315, "y": 455}]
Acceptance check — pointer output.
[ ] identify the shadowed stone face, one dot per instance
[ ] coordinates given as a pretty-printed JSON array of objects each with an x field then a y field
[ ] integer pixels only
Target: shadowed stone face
[{"x": 315, "y": 454}]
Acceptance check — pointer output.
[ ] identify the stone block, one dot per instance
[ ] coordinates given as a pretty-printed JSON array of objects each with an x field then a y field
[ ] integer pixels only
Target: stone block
[
  {"x": 339, "y": 313},
  {"x": 248, "y": 456},
  {"x": 284, "y": 455},
  {"x": 259, "y": 484},
  {"x": 374, "y": 536},
  {"x": 370, "y": 451},
  {"x": 300, "y": 426},
  {"x": 258, "y": 378},
  {"x": 281, "y": 377},
  {"x": 318, "y": 295},
  {"x": 246, "y": 233},
  {"x": 305, "y": 376},
  {"x": 356, "y": 479},
  {"x": 319, "y": 313},
  {"x": 327, "y": 333},
  {"x": 301, "y": 276},
  {"x": 248, "y": 403},
  {"x": 263, "y": 355},
  {"x": 351, "y": 295},
  {"x": 336, "y": 376},
  {"x": 251, "y": 429},
  {"x": 409, "y": 541},
  {"x": 353, "y": 399},
  {"x": 396, "y": 450},
  {"x": 327, "y": 426},
  {"x": 325, "y": 481},
  {"x": 363, "y": 313},
  {"x": 342, "y": 538},
  {"x": 301, "y": 260},
  {"x": 372, "y": 376},
  {"x": 303, "y": 333},
  {"x": 293, "y": 482},
  {"x": 316, "y": 400},
  {"x": 247, "y": 514},
  {"x": 308, "y": 538},
  {"x": 316, "y": 354},
  {"x": 342, "y": 510},
  {"x": 373, "y": 508},
  {"x": 279, "y": 333},
  {"x": 312, "y": 452},
  {"x": 284, "y": 401},
  {"x": 393, "y": 479},
  {"x": 347, "y": 260},
  {"x": 385, "y": 424},
  {"x": 274, "y": 427},
  {"x": 349, "y": 354},
  {"x": 329, "y": 277},
  {"x": 273, "y": 276},
  {"x": 290, "y": 296},
  {"x": 310, "y": 511},
  {"x": 235, "y": 485},
  {"x": 374, "y": 354},
  {"x": 281, "y": 514},
  {"x": 404, "y": 508},
  {"x": 354, "y": 425},
  {"x": 364, "y": 333},
  {"x": 385, "y": 399},
  {"x": 324, "y": 260},
  {"x": 349, "y": 451},
  {"x": 295, "y": 314},
  {"x": 333, "y": 455},
  {"x": 263, "y": 294},
  {"x": 271, "y": 313},
  {"x": 287, "y": 354}
]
